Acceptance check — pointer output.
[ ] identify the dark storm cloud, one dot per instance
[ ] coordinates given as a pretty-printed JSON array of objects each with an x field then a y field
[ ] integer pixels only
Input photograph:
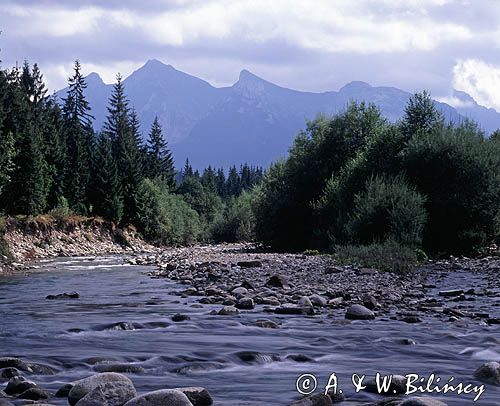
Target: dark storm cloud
[{"x": 321, "y": 45}]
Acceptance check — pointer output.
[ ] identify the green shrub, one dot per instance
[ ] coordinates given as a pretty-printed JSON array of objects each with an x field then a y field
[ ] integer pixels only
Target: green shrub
[
  {"x": 238, "y": 221},
  {"x": 62, "y": 210},
  {"x": 165, "y": 218},
  {"x": 457, "y": 169},
  {"x": 388, "y": 209},
  {"x": 386, "y": 256},
  {"x": 285, "y": 217}
]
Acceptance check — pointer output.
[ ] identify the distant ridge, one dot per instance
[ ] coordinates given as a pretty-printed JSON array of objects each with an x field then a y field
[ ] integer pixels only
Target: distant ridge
[{"x": 252, "y": 121}]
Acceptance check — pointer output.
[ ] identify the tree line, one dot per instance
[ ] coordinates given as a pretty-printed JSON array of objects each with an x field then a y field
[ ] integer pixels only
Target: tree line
[{"x": 52, "y": 159}]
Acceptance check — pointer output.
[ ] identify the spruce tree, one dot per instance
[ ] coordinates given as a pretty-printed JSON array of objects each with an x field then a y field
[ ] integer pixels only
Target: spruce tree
[
  {"x": 160, "y": 161},
  {"x": 80, "y": 139},
  {"x": 122, "y": 130},
  {"x": 107, "y": 198},
  {"x": 233, "y": 185}
]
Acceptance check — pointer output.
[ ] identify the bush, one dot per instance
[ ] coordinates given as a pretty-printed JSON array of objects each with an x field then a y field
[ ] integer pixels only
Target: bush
[
  {"x": 204, "y": 201},
  {"x": 238, "y": 221},
  {"x": 62, "y": 210},
  {"x": 386, "y": 256},
  {"x": 285, "y": 217},
  {"x": 457, "y": 169},
  {"x": 388, "y": 209},
  {"x": 165, "y": 218}
]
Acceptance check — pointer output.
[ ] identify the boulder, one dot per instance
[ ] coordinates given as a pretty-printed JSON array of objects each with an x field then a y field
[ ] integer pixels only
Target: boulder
[
  {"x": 109, "y": 394},
  {"x": 34, "y": 394},
  {"x": 265, "y": 323},
  {"x": 10, "y": 362},
  {"x": 197, "y": 396},
  {"x": 127, "y": 368},
  {"x": 489, "y": 373},
  {"x": 163, "y": 397},
  {"x": 18, "y": 385},
  {"x": 319, "y": 399},
  {"x": 65, "y": 295},
  {"x": 370, "y": 302},
  {"x": 228, "y": 311},
  {"x": 318, "y": 300},
  {"x": 180, "y": 317},
  {"x": 86, "y": 385},
  {"x": 64, "y": 390},
  {"x": 8, "y": 373},
  {"x": 245, "y": 303},
  {"x": 359, "y": 312},
  {"x": 278, "y": 281}
]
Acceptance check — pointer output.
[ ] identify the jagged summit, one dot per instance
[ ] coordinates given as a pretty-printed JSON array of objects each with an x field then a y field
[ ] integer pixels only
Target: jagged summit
[{"x": 254, "y": 120}]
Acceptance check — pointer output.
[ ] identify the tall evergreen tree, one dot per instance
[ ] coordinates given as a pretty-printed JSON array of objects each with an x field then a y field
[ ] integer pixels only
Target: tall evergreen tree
[
  {"x": 107, "y": 197},
  {"x": 80, "y": 139},
  {"x": 233, "y": 185},
  {"x": 122, "y": 129},
  {"x": 160, "y": 161}
]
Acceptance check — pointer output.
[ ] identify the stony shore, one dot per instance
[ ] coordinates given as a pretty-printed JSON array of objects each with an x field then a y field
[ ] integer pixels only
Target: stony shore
[{"x": 240, "y": 277}]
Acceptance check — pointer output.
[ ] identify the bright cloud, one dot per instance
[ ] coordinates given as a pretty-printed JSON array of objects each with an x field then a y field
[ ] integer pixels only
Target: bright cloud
[{"x": 479, "y": 79}]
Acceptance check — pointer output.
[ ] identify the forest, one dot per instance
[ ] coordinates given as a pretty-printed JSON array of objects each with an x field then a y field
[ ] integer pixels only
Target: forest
[{"x": 353, "y": 184}]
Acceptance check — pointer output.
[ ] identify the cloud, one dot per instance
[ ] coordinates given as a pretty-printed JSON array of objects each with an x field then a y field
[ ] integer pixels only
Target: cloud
[
  {"x": 320, "y": 45},
  {"x": 479, "y": 79}
]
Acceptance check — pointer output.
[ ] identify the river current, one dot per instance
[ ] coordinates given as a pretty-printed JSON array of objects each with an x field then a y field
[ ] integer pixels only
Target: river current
[{"x": 239, "y": 364}]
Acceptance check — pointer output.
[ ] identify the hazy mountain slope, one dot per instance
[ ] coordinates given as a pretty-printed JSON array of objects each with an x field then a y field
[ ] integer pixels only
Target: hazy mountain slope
[{"x": 252, "y": 121}]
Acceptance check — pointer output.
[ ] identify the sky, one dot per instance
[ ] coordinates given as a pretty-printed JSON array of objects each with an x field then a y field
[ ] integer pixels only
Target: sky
[{"x": 312, "y": 45}]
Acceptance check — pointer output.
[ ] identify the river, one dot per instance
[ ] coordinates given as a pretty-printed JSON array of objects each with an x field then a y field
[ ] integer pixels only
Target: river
[{"x": 210, "y": 350}]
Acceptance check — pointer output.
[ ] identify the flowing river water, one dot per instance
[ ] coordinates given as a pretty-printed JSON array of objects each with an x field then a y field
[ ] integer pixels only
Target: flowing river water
[{"x": 239, "y": 364}]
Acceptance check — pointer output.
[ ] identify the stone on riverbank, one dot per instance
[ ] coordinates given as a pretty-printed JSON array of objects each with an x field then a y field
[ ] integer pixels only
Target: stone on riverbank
[
  {"x": 198, "y": 396},
  {"x": 83, "y": 386},
  {"x": 163, "y": 397},
  {"x": 34, "y": 394},
  {"x": 109, "y": 394},
  {"x": 18, "y": 385},
  {"x": 359, "y": 312}
]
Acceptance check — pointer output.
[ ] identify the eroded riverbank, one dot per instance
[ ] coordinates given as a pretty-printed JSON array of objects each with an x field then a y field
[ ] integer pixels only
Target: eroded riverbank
[{"x": 168, "y": 330}]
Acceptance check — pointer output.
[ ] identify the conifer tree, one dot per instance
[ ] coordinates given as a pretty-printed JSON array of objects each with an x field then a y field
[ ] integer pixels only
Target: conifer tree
[
  {"x": 233, "y": 185},
  {"x": 160, "y": 161},
  {"x": 80, "y": 139},
  {"x": 107, "y": 198}
]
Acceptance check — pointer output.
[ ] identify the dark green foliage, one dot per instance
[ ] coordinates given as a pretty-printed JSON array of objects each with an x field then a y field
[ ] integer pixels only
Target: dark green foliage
[
  {"x": 455, "y": 168},
  {"x": 421, "y": 115},
  {"x": 238, "y": 220},
  {"x": 285, "y": 219},
  {"x": 79, "y": 142},
  {"x": 160, "y": 163},
  {"x": 164, "y": 217},
  {"x": 387, "y": 209},
  {"x": 107, "y": 195}
]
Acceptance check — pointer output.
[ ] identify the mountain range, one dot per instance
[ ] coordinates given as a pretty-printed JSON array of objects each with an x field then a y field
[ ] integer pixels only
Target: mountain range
[{"x": 252, "y": 121}]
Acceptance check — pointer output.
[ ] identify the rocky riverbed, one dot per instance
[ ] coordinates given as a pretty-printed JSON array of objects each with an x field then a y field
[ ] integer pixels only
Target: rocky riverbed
[{"x": 231, "y": 325}]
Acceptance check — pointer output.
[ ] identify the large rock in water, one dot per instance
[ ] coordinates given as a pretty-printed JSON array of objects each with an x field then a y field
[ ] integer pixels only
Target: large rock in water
[
  {"x": 84, "y": 386},
  {"x": 359, "y": 312},
  {"x": 197, "y": 396},
  {"x": 319, "y": 399},
  {"x": 18, "y": 385},
  {"x": 163, "y": 397},
  {"x": 109, "y": 394},
  {"x": 489, "y": 373}
]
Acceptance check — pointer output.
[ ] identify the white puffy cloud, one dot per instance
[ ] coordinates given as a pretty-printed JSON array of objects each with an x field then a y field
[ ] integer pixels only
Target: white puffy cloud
[{"x": 479, "y": 79}]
